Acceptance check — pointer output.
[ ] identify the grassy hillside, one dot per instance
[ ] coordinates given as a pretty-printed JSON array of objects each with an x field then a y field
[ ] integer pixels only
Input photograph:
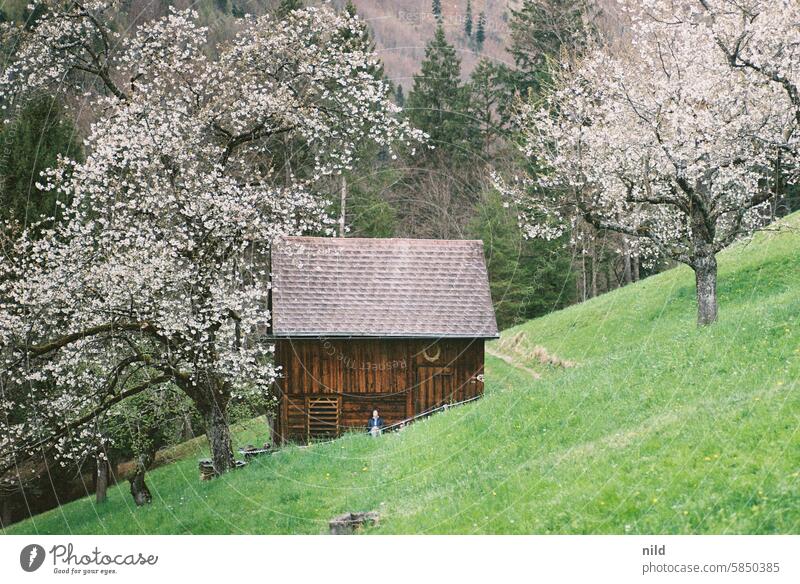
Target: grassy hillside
[{"x": 660, "y": 427}]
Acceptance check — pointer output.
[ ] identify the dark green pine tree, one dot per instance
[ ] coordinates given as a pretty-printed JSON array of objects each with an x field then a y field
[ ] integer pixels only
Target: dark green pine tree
[
  {"x": 33, "y": 141},
  {"x": 32, "y": 14},
  {"x": 480, "y": 33},
  {"x": 539, "y": 29},
  {"x": 493, "y": 99},
  {"x": 286, "y": 6},
  {"x": 527, "y": 277},
  {"x": 438, "y": 102},
  {"x": 437, "y": 9},
  {"x": 399, "y": 96},
  {"x": 487, "y": 103},
  {"x": 468, "y": 20},
  {"x": 362, "y": 40}
]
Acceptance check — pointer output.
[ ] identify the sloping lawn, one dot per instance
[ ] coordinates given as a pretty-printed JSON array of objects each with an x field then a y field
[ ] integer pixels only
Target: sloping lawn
[{"x": 660, "y": 427}]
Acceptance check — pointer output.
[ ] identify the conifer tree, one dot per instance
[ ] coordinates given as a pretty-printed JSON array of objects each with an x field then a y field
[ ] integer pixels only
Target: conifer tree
[
  {"x": 361, "y": 40},
  {"x": 489, "y": 101},
  {"x": 539, "y": 29},
  {"x": 438, "y": 101},
  {"x": 527, "y": 278},
  {"x": 437, "y": 9},
  {"x": 480, "y": 33},
  {"x": 286, "y": 6},
  {"x": 468, "y": 20},
  {"x": 32, "y": 142}
]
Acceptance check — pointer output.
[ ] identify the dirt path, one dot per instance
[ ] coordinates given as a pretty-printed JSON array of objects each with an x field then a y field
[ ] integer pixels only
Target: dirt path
[{"x": 510, "y": 361}]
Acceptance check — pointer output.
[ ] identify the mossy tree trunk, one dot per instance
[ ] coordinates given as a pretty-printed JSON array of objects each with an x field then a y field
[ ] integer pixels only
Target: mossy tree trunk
[{"x": 139, "y": 490}]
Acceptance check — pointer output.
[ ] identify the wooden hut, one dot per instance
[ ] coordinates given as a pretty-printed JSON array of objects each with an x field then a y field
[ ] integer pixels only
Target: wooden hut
[{"x": 396, "y": 325}]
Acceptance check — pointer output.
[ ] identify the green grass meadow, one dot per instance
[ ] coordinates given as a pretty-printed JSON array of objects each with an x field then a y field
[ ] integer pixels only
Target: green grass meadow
[{"x": 660, "y": 427}]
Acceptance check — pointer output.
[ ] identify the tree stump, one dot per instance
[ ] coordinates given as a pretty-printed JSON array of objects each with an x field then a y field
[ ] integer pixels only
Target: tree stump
[
  {"x": 348, "y": 523},
  {"x": 207, "y": 471}
]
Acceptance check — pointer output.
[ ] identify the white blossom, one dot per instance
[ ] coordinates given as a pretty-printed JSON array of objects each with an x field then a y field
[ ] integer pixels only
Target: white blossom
[
  {"x": 157, "y": 272},
  {"x": 670, "y": 138}
]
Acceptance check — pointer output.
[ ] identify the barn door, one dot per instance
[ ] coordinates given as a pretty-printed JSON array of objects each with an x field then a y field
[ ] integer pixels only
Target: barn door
[{"x": 434, "y": 388}]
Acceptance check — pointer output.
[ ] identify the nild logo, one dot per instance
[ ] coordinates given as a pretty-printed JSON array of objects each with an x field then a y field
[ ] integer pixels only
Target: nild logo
[{"x": 31, "y": 557}]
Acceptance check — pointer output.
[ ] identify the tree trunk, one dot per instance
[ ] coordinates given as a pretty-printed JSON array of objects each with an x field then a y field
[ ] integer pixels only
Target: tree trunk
[
  {"x": 343, "y": 205},
  {"x": 626, "y": 258},
  {"x": 271, "y": 428},
  {"x": 101, "y": 486},
  {"x": 211, "y": 401},
  {"x": 705, "y": 272},
  {"x": 187, "y": 430},
  {"x": 139, "y": 491},
  {"x": 219, "y": 439},
  {"x": 583, "y": 283},
  {"x": 5, "y": 513}
]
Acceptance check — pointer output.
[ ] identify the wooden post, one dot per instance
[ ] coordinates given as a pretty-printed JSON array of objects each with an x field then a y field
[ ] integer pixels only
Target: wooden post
[
  {"x": 594, "y": 265},
  {"x": 271, "y": 426},
  {"x": 583, "y": 274},
  {"x": 101, "y": 487},
  {"x": 343, "y": 206},
  {"x": 626, "y": 258}
]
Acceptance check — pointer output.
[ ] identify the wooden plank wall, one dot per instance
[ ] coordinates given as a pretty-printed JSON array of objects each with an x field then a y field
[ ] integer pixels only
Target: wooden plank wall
[{"x": 368, "y": 374}]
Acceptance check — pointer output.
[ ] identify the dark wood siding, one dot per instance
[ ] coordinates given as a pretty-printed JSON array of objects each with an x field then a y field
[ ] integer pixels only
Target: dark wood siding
[{"x": 399, "y": 377}]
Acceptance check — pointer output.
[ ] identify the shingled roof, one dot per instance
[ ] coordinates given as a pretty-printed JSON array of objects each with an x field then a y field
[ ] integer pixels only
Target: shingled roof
[{"x": 356, "y": 287}]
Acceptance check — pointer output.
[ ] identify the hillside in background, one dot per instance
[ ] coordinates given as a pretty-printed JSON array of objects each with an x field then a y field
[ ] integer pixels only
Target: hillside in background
[
  {"x": 402, "y": 28},
  {"x": 653, "y": 426}
]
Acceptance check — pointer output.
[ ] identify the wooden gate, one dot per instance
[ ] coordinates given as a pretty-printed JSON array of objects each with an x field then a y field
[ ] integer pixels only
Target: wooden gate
[
  {"x": 322, "y": 417},
  {"x": 434, "y": 388}
]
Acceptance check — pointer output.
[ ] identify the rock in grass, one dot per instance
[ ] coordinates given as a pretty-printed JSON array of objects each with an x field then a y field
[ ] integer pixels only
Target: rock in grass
[{"x": 348, "y": 523}]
